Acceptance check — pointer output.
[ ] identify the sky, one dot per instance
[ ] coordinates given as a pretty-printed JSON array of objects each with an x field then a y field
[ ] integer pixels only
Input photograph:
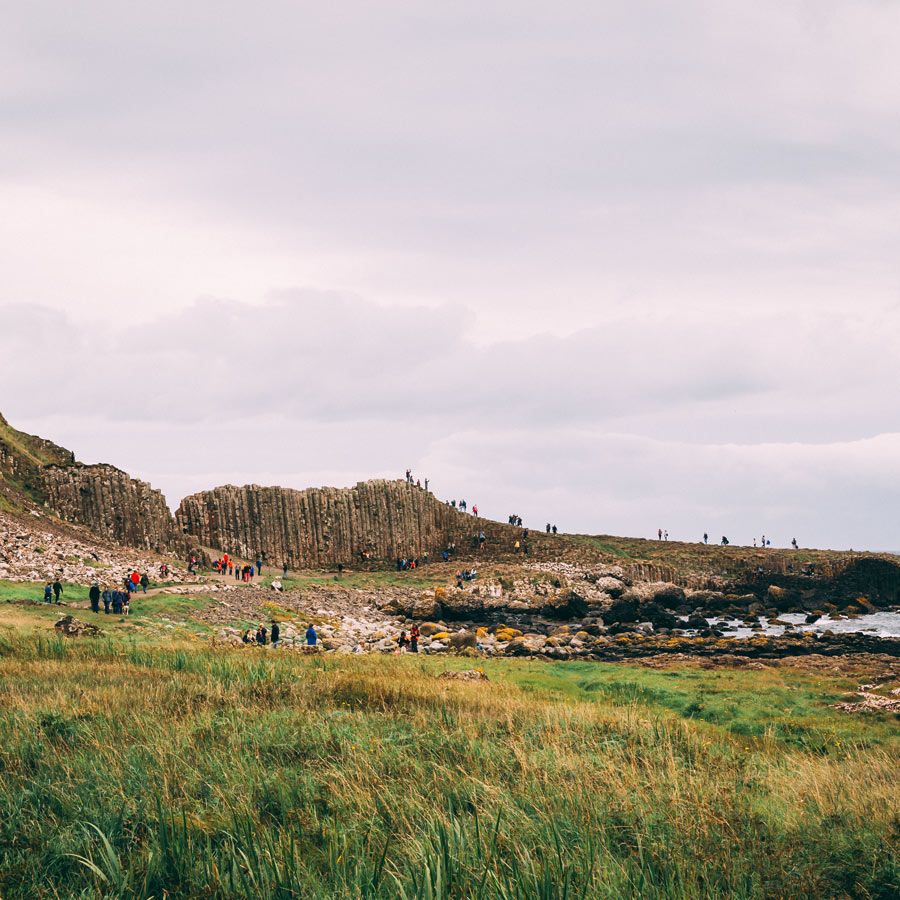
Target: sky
[{"x": 617, "y": 266}]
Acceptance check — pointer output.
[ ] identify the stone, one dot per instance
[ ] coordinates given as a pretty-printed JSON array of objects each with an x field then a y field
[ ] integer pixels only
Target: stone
[
  {"x": 463, "y": 639},
  {"x": 466, "y": 675},
  {"x": 72, "y": 627}
]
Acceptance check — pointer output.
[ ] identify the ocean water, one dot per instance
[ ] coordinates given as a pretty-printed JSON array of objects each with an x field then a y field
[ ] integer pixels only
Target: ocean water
[{"x": 881, "y": 624}]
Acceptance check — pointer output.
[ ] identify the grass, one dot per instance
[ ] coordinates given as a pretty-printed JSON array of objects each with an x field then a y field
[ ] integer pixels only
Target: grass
[{"x": 173, "y": 770}]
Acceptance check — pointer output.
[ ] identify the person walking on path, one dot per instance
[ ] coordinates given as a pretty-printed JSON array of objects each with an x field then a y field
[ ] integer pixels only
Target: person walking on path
[
  {"x": 94, "y": 597},
  {"x": 48, "y": 593},
  {"x": 145, "y": 582},
  {"x": 57, "y": 590},
  {"x": 259, "y": 565},
  {"x": 311, "y": 636}
]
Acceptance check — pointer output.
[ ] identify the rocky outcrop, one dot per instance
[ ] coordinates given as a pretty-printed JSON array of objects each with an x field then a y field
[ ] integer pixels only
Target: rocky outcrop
[
  {"x": 112, "y": 505},
  {"x": 23, "y": 458},
  {"x": 375, "y": 520}
]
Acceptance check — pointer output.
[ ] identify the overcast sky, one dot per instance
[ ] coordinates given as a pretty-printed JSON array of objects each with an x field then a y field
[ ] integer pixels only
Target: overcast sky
[{"x": 615, "y": 265}]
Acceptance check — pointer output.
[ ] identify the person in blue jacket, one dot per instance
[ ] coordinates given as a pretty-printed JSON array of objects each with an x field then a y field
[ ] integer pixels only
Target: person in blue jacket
[{"x": 311, "y": 636}]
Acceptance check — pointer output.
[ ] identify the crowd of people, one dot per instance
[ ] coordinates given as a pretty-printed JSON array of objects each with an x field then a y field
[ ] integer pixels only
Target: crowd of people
[{"x": 264, "y": 636}]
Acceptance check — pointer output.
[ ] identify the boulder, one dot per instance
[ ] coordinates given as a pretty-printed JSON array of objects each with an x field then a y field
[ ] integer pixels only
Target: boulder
[
  {"x": 565, "y": 605},
  {"x": 72, "y": 627},
  {"x": 428, "y": 629},
  {"x": 623, "y": 610},
  {"x": 463, "y": 639}
]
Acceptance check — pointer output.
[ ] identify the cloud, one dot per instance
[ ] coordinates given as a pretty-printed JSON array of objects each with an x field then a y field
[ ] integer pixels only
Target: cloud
[{"x": 708, "y": 423}]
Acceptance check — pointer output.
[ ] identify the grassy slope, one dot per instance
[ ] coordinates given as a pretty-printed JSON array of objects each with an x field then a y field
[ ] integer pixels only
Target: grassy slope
[{"x": 134, "y": 767}]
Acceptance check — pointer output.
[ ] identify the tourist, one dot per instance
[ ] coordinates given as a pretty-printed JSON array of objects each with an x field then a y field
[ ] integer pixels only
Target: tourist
[
  {"x": 402, "y": 642},
  {"x": 107, "y": 599},
  {"x": 481, "y": 539},
  {"x": 276, "y": 634},
  {"x": 725, "y": 541},
  {"x": 247, "y": 637},
  {"x": 94, "y": 597},
  {"x": 659, "y": 533},
  {"x": 261, "y": 635},
  {"x": 445, "y": 555},
  {"x": 705, "y": 538},
  {"x": 794, "y": 544},
  {"x": 48, "y": 593},
  {"x": 284, "y": 570},
  {"x": 259, "y": 565},
  {"x": 548, "y": 528},
  {"x": 311, "y": 636},
  {"x": 554, "y": 529},
  {"x": 475, "y": 511},
  {"x": 426, "y": 484},
  {"x": 517, "y": 546},
  {"x": 414, "y": 639},
  {"x": 126, "y": 603},
  {"x": 57, "y": 590},
  {"x": 117, "y": 602},
  {"x": 145, "y": 581}
]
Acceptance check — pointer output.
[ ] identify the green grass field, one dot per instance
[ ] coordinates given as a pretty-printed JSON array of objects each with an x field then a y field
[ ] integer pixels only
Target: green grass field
[{"x": 133, "y": 766}]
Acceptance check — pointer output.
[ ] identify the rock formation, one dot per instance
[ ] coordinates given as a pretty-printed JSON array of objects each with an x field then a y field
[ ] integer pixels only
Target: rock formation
[
  {"x": 112, "y": 504},
  {"x": 22, "y": 461},
  {"x": 376, "y": 520}
]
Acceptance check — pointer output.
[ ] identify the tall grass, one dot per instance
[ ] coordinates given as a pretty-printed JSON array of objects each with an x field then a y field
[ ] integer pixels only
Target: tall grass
[{"x": 142, "y": 772}]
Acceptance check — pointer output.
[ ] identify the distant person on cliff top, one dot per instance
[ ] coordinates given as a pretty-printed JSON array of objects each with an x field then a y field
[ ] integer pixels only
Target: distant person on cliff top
[
  {"x": 705, "y": 538},
  {"x": 554, "y": 529},
  {"x": 659, "y": 534},
  {"x": 426, "y": 484},
  {"x": 548, "y": 528},
  {"x": 311, "y": 636},
  {"x": 57, "y": 590},
  {"x": 475, "y": 510},
  {"x": 794, "y": 544},
  {"x": 94, "y": 597},
  {"x": 725, "y": 541}
]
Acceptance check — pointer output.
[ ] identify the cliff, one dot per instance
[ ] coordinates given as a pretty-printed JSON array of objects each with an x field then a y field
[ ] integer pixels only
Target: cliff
[
  {"x": 23, "y": 458},
  {"x": 112, "y": 504},
  {"x": 376, "y": 520}
]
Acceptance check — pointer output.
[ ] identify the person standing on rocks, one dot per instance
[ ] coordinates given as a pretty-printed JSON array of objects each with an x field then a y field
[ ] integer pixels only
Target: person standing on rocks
[
  {"x": 705, "y": 538},
  {"x": 548, "y": 528},
  {"x": 57, "y": 590},
  {"x": 94, "y": 597},
  {"x": 402, "y": 642},
  {"x": 414, "y": 638},
  {"x": 659, "y": 533},
  {"x": 275, "y": 633},
  {"x": 311, "y": 636}
]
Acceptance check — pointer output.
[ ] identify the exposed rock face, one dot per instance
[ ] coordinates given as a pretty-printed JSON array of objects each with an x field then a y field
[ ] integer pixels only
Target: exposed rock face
[
  {"x": 22, "y": 461},
  {"x": 377, "y": 520},
  {"x": 112, "y": 504}
]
